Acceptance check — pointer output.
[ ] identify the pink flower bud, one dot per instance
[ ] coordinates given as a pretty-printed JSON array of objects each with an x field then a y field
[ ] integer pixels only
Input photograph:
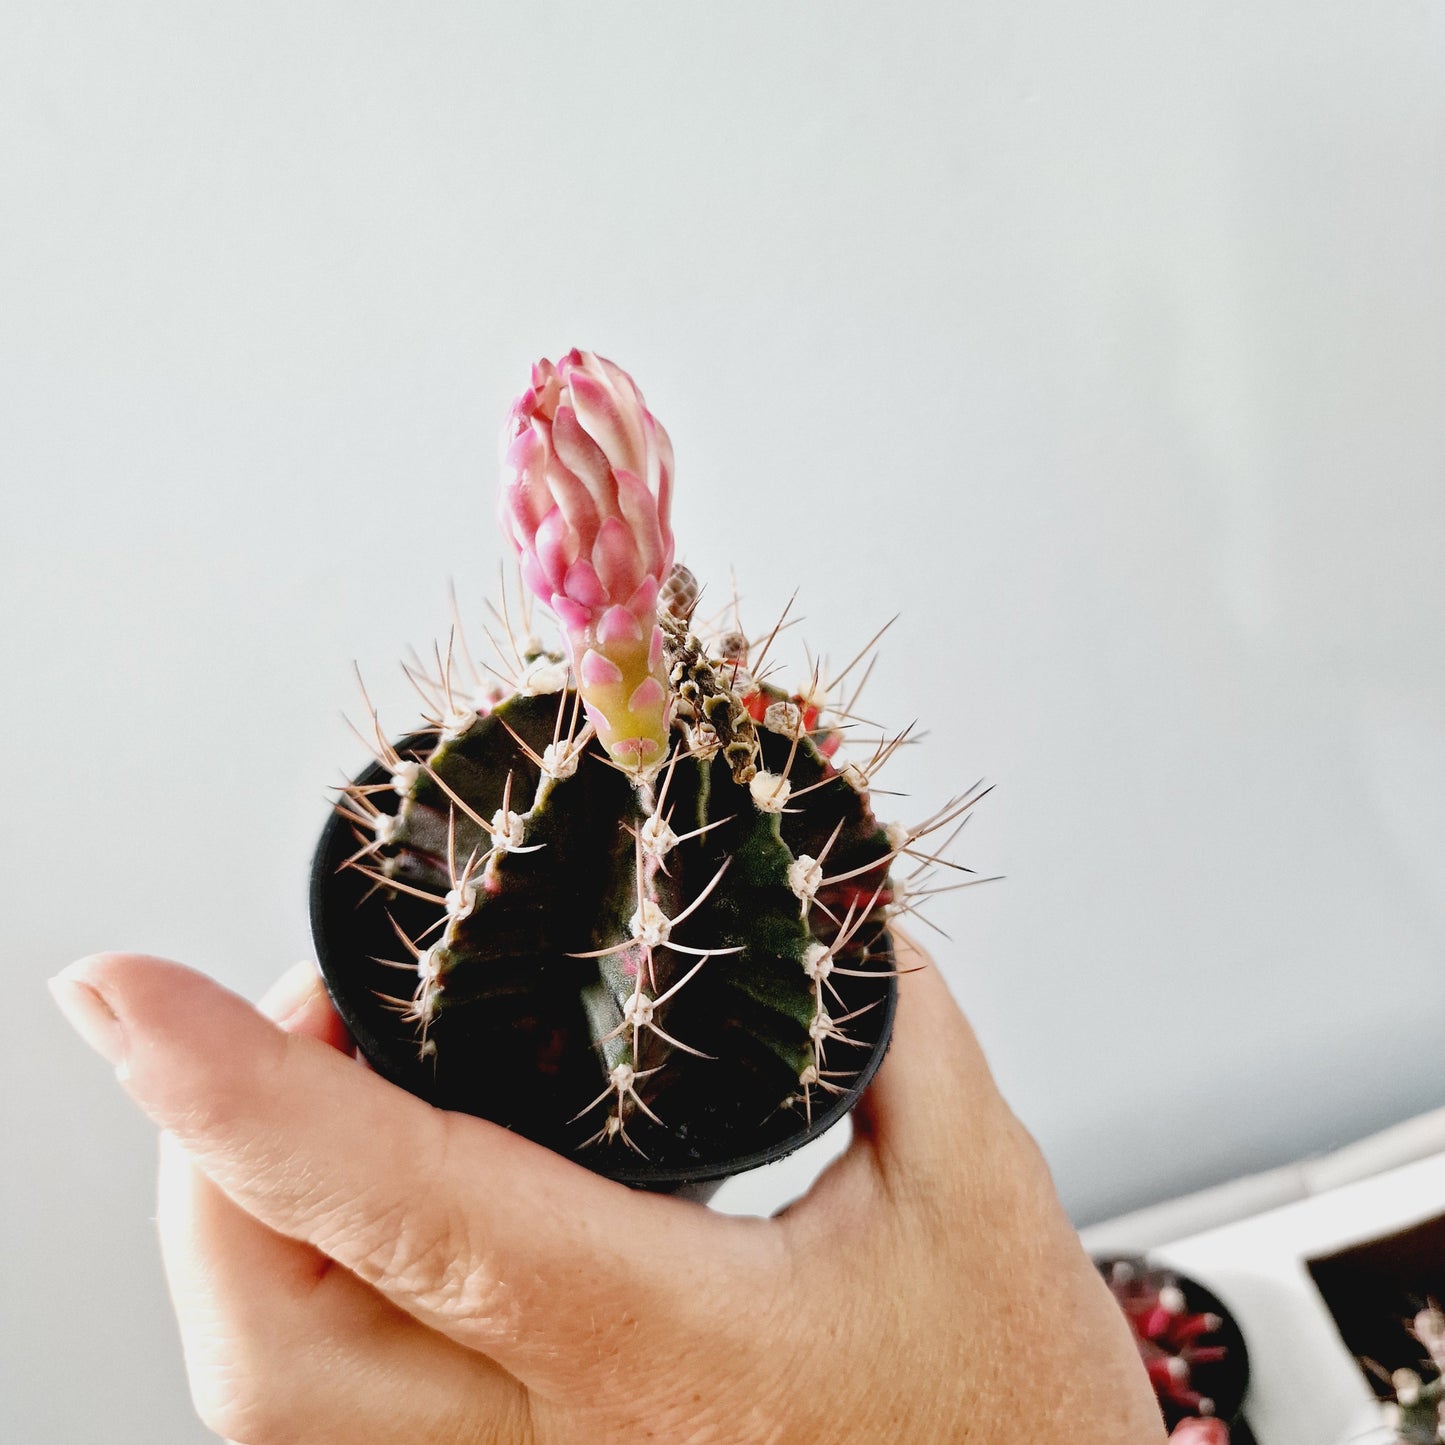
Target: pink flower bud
[{"x": 586, "y": 500}]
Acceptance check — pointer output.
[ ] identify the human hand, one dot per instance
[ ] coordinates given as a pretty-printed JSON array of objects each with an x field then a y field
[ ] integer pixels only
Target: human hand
[{"x": 350, "y": 1264}]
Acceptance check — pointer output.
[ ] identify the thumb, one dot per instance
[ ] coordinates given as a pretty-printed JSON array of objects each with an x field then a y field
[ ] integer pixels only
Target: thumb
[
  {"x": 299, "y": 1004},
  {"x": 478, "y": 1233}
]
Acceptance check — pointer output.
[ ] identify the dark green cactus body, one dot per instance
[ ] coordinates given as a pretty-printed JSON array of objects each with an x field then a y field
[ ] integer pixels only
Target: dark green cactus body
[
  {"x": 1421, "y": 1413},
  {"x": 608, "y": 959}
]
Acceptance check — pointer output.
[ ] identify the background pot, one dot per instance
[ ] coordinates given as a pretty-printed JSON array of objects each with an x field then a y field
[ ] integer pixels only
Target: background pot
[{"x": 1226, "y": 1381}]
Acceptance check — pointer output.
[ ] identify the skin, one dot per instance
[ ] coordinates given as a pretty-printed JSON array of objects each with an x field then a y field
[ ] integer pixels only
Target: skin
[{"x": 349, "y": 1264}]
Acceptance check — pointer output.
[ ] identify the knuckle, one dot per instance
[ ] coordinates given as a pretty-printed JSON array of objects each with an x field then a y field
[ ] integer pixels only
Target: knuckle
[
  {"x": 411, "y": 1250},
  {"x": 461, "y": 1284},
  {"x": 988, "y": 1169},
  {"x": 425, "y": 1249}
]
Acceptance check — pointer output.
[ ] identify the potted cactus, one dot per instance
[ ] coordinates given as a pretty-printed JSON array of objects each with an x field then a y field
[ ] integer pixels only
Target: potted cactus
[
  {"x": 621, "y": 891},
  {"x": 1415, "y": 1394},
  {"x": 1191, "y": 1348}
]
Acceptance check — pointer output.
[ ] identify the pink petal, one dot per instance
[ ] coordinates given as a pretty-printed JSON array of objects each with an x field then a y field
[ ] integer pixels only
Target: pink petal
[
  {"x": 647, "y": 694},
  {"x": 519, "y": 419},
  {"x": 618, "y": 625},
  {"x": 555, "y": 547},
  {"x": 534, "y": 577},
  {"x": 639, "y": 511},
  {"x": 526, "y": 456},
  {"x": 572, "y": 615},
  {"x": 549, "y": 482},
  {"x": 504, "y": 517},
  {"x": 528, "y": 503},
  {"x": 575, "y": 501},
  {"x": 614, "y": 555},
  {"x": 546, "y": 387},
  {"x": 523, "y": 449},
  {"x": 596, "y": 717},
  {"x": 599, "y": 671},
  {"x": 609, "y": 424},
  {"x": 643, "y": 602},
  {"x": 624, "y": 388},
  {"x": 584, "y": 586},
  {"x": 659, "y": 481},
  {"x": 586, "y": 460}
]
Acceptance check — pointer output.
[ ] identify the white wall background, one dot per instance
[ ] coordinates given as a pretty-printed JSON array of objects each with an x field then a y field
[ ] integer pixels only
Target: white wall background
[{"x": 1106, "y": 342}]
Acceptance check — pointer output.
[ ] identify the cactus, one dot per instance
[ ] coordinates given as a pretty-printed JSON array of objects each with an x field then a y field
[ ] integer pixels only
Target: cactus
[
  {"x": 1186, "y": 1350},
  {"x": 1415, "y": 1413},
  {"x": 635, "y": 896}
]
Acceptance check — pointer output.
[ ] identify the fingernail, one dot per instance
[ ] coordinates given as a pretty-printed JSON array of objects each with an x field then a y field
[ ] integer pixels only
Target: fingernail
[
  {"x": 88, "y": 1013},
  {"x": 290, "y": 993}
]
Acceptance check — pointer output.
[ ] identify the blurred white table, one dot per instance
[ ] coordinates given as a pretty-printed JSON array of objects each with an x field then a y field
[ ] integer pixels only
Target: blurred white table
[{"x": 1249, "y": 1241}]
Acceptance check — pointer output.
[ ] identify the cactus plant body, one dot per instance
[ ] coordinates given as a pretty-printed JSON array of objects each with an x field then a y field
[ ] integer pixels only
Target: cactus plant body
[
  {"x": 1191, "y": 1350},
  {"x": 630, "y": 900},
  {"x": 1415, "y": 1413}
]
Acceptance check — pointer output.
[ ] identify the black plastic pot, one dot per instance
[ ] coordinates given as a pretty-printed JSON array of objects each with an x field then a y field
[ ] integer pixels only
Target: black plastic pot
[{"x": 526, "y": 1060}]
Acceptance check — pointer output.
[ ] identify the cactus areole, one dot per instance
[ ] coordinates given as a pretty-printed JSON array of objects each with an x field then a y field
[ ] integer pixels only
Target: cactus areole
[{"x": 617, "y": 891}]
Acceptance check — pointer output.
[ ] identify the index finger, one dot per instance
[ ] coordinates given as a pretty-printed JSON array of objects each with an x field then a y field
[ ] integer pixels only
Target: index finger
[
  {"x": 934, "y": 1080},
  {"x": 478, "y": 1232}
]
